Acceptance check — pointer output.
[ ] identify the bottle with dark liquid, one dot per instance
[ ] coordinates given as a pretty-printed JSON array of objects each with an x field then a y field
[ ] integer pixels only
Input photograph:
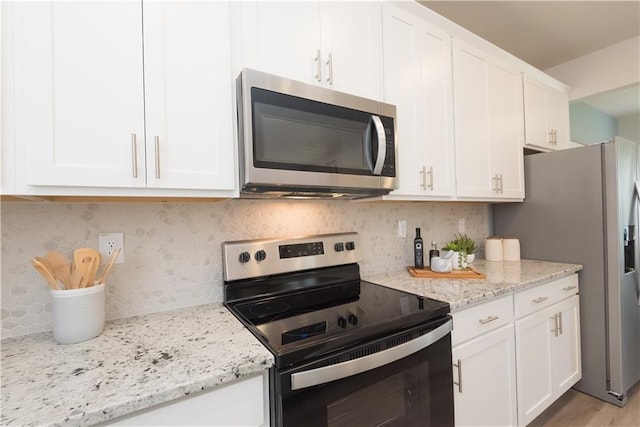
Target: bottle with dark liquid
[
  {"x": 418, "y": 253},
  {"x": 434, "y": 252}
]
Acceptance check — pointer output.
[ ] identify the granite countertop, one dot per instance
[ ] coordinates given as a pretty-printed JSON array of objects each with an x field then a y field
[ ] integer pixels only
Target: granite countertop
[
  {"x": 502, "y": 278},
  {"x": 135, "y": 364}
]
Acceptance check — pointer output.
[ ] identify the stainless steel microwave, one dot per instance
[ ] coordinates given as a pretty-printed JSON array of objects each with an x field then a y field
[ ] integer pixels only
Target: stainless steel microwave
[{"x": 302, "y": 140}]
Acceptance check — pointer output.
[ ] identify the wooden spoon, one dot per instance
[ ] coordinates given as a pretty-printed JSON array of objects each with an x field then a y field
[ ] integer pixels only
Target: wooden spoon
[
  {"x": 107, "y": 268},
  {"x": 60, "y": 267},
  {"x": 45, "y": 271},
  {"x": 83, "y": 260}
]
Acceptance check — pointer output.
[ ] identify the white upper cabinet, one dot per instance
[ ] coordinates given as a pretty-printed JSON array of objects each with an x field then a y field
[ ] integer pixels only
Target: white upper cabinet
[
  {"x": 417, "y": 80},
  {"x": 488, "y": 126},
  {"x": 188, "y": 101},
  {"x": 332, "y": 44},
  {"x": 88, "y": 114},
  {"x": 79, "y": 92},
  {"x": 546, "y": 112}
]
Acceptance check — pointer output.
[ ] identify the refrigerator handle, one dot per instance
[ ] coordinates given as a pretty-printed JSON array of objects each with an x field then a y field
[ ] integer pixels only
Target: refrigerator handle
[{"x": 637, "y": 194}]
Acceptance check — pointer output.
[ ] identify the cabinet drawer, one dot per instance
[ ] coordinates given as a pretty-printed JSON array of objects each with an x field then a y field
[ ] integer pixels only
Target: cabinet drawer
[
  {"x": 539, "y": 297},
  {"x": 477, "y": 320}
]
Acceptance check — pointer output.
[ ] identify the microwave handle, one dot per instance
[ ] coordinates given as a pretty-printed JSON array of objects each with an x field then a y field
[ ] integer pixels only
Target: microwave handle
[{"x": 376, "y": 168}]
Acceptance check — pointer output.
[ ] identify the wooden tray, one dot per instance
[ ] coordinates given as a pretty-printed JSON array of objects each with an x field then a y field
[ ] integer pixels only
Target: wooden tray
[{"x": 426, "y": 273}]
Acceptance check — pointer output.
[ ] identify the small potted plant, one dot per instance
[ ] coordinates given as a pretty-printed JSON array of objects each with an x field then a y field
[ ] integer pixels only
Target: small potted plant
[{"x": 463, "y": 248}]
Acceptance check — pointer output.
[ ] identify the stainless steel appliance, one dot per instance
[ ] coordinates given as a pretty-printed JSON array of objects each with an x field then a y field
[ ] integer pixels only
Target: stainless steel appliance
[
  {"x": 347, "y": 352},
  {"x": 581, "y": 207},
  {"x": 302, "y": 140}
]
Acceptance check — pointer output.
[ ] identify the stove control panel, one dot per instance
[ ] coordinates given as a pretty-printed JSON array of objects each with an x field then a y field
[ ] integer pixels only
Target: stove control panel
[{"x": 245, "y": 259}]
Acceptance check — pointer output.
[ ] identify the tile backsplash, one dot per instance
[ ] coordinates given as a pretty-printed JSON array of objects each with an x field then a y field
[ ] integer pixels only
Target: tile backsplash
[{"x": 172, "y": 250}]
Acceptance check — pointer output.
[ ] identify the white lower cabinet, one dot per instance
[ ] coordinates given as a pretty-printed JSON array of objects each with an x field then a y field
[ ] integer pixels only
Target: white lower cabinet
[
  {"x": 244, "y": 402},
  {"x": 548, "y": 355},
  {"x": 484, "y": 371},
  {"x": 516, "y": 355}
]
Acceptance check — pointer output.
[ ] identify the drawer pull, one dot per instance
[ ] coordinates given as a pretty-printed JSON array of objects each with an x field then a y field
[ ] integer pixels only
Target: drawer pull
[
  {"x": 488, "y": 319},
  {"x": 459, "y": 383},
  {"x": 568, "y": 288},
  {"x": 539, "y": 300}
]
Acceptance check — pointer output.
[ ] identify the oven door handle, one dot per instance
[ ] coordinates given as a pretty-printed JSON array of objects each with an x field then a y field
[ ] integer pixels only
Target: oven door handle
[{"x": 326, "y": 374}]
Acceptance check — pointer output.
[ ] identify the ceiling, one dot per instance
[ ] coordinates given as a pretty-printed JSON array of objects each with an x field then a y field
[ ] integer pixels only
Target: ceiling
[{"x": 548, "y": 33}]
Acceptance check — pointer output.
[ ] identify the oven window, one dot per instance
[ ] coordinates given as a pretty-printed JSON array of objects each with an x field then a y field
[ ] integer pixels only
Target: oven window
[
  {"x": 355, "y": 409},
  {"x": 414, "y": 391}
]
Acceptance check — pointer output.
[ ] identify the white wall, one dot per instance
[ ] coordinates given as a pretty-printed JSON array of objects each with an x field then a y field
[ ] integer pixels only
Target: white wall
[{"x": 606, "y": 69}]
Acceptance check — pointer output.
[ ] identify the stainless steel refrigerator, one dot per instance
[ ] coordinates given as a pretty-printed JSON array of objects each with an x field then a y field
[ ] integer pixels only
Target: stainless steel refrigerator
[{"x": 581, "y": 206}]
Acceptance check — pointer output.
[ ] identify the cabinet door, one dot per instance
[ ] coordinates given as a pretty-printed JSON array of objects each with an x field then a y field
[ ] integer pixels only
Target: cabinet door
[
  {"x": 79, "y": 93},
  {"x": 537, "y": 130},
  {"x": 282, "y": 38},
  {"x": 472, "y": 133},
  {"x": 351, "y": 34},
  {"x": 566, "y": 347},
  {"x": 558, "y": 118},
  {"x": 534, "y": 353},
  {"x": 507, "y": 131},
  {"x": 486, "y": 391},
  {"x": 188, "y": 95},
  {"x": 417, "y": 80}
]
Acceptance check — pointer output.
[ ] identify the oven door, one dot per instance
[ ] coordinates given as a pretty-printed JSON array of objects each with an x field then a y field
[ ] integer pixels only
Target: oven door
[{"x": 408, "y": 384}]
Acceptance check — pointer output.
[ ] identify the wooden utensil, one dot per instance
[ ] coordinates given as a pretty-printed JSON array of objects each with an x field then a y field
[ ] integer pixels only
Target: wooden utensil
[
  {"x": 60, "y": 267},
  {"x": 83, "y": 261},
  {"x": 45, "y": 272},
  {"x": 107, "y": 268}
]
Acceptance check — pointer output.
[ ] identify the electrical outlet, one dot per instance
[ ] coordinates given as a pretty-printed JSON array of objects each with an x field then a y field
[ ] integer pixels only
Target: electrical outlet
[
  {"x": 402, "y": 228},
  {"x": 109, "y": 242}
]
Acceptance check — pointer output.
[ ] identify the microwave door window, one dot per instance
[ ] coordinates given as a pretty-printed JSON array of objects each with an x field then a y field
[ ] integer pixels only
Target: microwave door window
[{"x": 297, "y": 139}]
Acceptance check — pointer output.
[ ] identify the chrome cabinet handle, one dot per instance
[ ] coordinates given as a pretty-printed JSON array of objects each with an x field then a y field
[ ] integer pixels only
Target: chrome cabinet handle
[
  {"x": 330, "y": 64},
  {"x": 459, "y": 383},
  {"x": 568, "y": 288},
  {"x": 318, "y": 66},
  {"x": 325, "y": 374},
  {"x": 488, "y": 319},
  {"x": 423, "y": 172},
  {"x": 550, "y": 136},
  {"x": 157, "y": 144},
  {"x": 539, "y": 300},
  {"x": 134, "y": 155},
  {"x": 560, "y": 322},
  {"x": 494, "y": 183},
  {"x": 430, "y": 178},
  {"x": 555, "y": 324},
  {"x": 501, "y": 184}
]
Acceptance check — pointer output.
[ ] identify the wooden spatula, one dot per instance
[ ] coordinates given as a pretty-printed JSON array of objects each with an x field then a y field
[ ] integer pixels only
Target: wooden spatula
[
  {"x": 45, "y": 271},
  {"x": 107, "y": 268},
  {"x": 60, "y": 267}
]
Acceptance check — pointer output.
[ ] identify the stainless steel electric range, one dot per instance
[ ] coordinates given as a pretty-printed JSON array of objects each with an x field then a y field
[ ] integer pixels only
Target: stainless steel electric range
[{"x": 347, "y": 352}]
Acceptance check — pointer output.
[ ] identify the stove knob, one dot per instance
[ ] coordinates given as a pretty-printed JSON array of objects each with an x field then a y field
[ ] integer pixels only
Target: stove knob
[
  {"x": 342, "y": 322},
  {"x": 353, "y": 319},
  {"x": 339, "y": 247},
  {"x": 244, "y": 257},
  {"x": 350, "y": 246},
  {"x": 261, "y": 255}
]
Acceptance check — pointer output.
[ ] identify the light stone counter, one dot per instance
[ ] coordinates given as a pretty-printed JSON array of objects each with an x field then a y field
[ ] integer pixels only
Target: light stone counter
[
  {"x": 502, "y": 278},
  {"x": 136, "y": 363}
]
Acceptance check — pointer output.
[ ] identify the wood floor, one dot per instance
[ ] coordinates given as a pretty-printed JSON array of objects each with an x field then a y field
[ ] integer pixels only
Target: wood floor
[{"x": 576, "y": 409}]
